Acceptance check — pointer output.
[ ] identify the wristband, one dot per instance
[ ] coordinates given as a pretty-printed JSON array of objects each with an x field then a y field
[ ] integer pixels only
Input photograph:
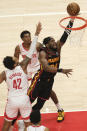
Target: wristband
[{"x": 66, "y": 32}]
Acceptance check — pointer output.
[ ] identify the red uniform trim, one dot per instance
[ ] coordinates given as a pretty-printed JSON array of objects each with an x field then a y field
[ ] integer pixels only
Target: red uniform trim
[
  {"x": 5, "y": 115},
  {"x": 24, "y": 47},
  {"x": 26, "y": 118},
  {"x": 43, "y": 98},
  {"x": 29, "y": 79},
  {"x": 36, "y": 126}
]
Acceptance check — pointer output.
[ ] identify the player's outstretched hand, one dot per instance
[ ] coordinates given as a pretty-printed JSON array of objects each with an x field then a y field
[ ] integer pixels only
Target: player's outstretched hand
[
  {"x": 67, "y": 72},
  {"x": 38, "y": 28}
]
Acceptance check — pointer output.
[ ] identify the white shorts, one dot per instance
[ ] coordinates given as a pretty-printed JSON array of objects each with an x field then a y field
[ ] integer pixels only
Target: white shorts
[{"x": 18, "y": 104}]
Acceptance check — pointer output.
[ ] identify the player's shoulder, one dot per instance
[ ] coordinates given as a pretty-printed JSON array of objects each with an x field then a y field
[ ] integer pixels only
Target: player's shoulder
[
  {"x": 43, "y": 49},
  {"x": 39, "y": 46},
  {"x": 42, "y": 52},
  {"x": 58, "y": 43}
]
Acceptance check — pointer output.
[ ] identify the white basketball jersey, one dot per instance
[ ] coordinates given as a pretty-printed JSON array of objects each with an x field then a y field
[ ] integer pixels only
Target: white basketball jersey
[
  {"x": 36, "y": 128},
  {"x": 34, "y": 65},
  {"x": 17, "y": 82}
]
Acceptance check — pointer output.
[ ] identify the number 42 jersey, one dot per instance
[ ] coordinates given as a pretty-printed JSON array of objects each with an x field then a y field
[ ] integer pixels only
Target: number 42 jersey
[{"x": 17, "y": 82}]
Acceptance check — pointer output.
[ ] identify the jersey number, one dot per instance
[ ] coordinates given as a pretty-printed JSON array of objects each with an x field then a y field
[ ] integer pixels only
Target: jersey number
[{"x": 17, "y": 83}]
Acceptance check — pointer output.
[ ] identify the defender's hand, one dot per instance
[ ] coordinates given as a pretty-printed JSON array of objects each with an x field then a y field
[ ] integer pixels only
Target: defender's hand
[
  {"x": 38, "y": 29},
  {"x": 67, "y": 72}
]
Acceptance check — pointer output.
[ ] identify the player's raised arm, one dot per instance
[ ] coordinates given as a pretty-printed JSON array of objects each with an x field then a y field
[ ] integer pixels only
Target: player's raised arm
[
  {"x": 25, "y": 62},
  {"x": 17, "y": 51},
  {"x": 65, "y": 35},
  {"x": 2, "y": 77}
]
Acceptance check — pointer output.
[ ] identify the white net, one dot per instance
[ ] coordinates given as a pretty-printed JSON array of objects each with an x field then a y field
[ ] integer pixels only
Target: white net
[{"x": 76, "y": 36}]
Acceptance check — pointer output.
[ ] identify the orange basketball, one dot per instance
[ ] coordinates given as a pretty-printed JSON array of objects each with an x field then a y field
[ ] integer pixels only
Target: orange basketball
[{"x": 73, "y": 9}]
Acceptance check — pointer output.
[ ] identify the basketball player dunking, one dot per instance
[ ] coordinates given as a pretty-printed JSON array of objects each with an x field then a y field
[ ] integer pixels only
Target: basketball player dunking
[
  {"x": 17, "y": 82},
  {"x": 49, "y": 57}
]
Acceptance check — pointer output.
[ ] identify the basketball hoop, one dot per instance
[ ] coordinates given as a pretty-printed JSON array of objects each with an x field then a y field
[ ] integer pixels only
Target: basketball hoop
[
  {"x": 74, "y": 17},
  {"x": 78, "y": 29}
]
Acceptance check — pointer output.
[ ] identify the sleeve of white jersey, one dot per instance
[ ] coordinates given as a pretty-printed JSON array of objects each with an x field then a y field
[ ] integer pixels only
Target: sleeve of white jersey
[{"x": 32, "y": 47}]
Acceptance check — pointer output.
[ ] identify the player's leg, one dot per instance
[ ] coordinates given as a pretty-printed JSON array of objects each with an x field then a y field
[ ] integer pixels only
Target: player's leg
[
  {"x": 22, "y": 124},
  {"x": 27, "y": 123},
  {"x": 11, "y": 112},
  {"x": 47, "y": 92},
  {"x": 32, "y": 96},
  {"x": 6, "y": 125},
  {"x": 34, "y": 92},
  {"x": 55, "y": 99},
  {"x": 60, "y": 110},
  {"x": 33, "y": 89},
  {"x": 14, "y": 121},
  {"x": 25, "y": 110},
  {"x": 44, "y": 88},
  {"x": 39, "y": 104}
]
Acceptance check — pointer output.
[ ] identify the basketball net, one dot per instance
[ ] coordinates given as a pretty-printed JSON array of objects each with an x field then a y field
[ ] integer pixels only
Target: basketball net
[
  {"x": 76, "y": 37},
  {"x": 77, "y": 31}
]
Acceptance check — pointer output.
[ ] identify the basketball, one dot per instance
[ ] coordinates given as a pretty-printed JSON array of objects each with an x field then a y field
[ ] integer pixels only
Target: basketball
[{"x": 73, "y": 9}]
